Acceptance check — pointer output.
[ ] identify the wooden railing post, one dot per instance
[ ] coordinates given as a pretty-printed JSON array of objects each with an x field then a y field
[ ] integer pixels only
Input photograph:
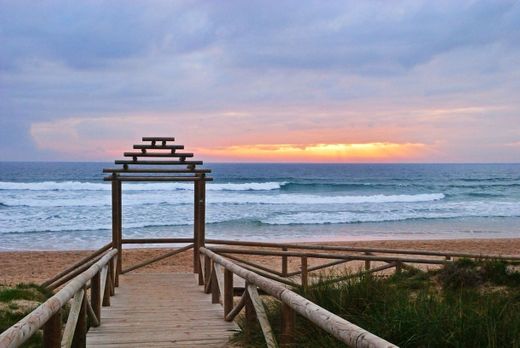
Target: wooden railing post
[
  {"x": 207, "y": 270},
  {"x": 287, "y": 330},
  {"x": 367, "y": 263},
  {"x": 228, "y": 291},
  {"x": 215, "y": 292},
  {"x": 95, "y": 295},
  {"x": 106, "y": 290},
  {"x": 250, "y": 312},
  {"x": 284, "y": 263},
  {"x": 52, "y": 331},
  {"x": 111, "y": 273},
  {"x": 80, "y": 334},
  {"x": 201, "y": 271},
  {"x": 305, "y": 273}
]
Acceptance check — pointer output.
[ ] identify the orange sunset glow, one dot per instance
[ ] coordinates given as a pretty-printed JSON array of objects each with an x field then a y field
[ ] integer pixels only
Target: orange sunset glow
[{"x": 382, "y": 152}]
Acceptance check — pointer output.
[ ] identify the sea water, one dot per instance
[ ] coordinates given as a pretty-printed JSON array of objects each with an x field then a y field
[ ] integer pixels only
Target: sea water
[{"x": 47, "y": 205}]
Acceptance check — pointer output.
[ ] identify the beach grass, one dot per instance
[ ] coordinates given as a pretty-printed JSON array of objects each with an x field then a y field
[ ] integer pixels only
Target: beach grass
[
  {"x": 464, "y": 304},
  {"x": 18, "y": 301}
]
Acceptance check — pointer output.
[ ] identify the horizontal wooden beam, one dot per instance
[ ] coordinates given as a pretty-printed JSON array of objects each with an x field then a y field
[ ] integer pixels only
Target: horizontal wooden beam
[
  {"x": 326, "y": 256},
  {"x": 158, "y": 147},
  {"x": 77, "y": 264},
  {"x": 157, "y": 162},
  {"x": 149, "y": 170},
  {"x": 359, "y": 249},
  {"x": 158, "y": 139},
  {"x": 156, "y": 240},
  {"x": 156, "y": 178},
  {"x": 158, "y": 154},
  {"x": 158, "y": 258}
]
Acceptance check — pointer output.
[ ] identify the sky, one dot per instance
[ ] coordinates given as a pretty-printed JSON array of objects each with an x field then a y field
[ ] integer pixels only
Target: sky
[{"x": 262, "y": 81}]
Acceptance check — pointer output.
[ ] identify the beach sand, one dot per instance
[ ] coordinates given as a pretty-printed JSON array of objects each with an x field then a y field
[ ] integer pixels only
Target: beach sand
[{"x": 38, "y": 266}]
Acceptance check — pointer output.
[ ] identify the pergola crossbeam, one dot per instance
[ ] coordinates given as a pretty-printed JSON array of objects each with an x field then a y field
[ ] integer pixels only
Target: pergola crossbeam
[
  {"x": 159, "y": 163},
  {"x": 157, "y": 174},
  {"x": 156, "y": 170},
  {"x": 157, "y": 154}
]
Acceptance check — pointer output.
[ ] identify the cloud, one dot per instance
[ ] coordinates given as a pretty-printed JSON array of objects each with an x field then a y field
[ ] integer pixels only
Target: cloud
[{"x": 261, "y": 72}]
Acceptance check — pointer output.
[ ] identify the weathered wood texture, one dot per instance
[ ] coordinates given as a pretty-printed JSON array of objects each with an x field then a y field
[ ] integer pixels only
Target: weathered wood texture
[
  {"x": 340, "y": 328},
  {"x": 48, "y": 311},
  {"x": 161, "y": 310}
]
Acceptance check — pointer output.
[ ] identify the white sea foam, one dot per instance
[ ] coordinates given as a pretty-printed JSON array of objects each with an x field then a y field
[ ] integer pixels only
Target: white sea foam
[
  {"x": 89, "y": 186},
  {"x": 79, "y": 199}
]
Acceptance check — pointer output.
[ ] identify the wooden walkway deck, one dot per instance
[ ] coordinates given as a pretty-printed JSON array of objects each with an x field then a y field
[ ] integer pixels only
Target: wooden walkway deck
[{"x": 161, "y": 310}]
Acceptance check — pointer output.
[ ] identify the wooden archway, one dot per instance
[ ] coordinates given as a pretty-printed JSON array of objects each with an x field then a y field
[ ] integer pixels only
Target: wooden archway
[{"x": 166, "y": 164}]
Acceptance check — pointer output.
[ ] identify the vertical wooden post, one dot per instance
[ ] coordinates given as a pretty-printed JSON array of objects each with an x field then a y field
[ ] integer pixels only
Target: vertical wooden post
[
  {"x": 95, "y": 295},
  {"x": 250, "y": 312},
  {"x": 228, "y": 291},
  {"x": 52, "y": 331},
  {"x": 199, "y": 224},
  {"x": 202, "y": 210},
  {"x": 367, "y": 263},
  {"x": 215, "y": 292},
  {"x": 398, "y": 267},
  {"x": 111, "y": 272},
  {"x": 305, "y": 273},
  {"x": 284, "y": 263},
  {"x": 80, "y": 334},
  {"x": 196, "y": 228},
  {"x": 106, "y": 292},
  {"x": 287, "y": 330},
  {"x": 117, "y": 225},
  {"x": 207, "y": 270}
]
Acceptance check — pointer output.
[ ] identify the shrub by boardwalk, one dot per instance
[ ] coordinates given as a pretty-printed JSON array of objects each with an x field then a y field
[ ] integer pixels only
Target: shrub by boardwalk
[
  {"x": 18, "y": 301},
  {"x": 464, "y": 304}
]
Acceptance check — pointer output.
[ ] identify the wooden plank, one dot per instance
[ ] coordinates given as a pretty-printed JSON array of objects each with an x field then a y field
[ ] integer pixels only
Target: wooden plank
[
  {"x": 156, "y": 178},
  {"x": 158, "y": 154},
  {"x": 156, "y": 170},
  {"x": 151, "y": 162},
  {"x": 158, "y": 139},
  {"x": 185, "y": 319},
  {"x": 158, "y": 147}
]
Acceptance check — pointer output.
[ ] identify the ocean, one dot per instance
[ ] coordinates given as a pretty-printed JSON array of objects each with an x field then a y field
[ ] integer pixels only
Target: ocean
[{"x": 58, "y": 205}]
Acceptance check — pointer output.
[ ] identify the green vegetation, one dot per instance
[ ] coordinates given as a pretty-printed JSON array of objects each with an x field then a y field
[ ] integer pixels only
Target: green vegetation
[
  {"x": 464, "y": 304},
  {"x": 16, "y": 302}
]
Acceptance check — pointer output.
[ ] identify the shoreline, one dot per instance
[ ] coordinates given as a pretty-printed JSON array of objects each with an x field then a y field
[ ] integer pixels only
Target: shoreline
[{"x": 38, "y": 266}]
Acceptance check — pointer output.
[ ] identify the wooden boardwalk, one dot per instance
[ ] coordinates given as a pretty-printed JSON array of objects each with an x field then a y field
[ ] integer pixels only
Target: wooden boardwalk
[{"x": 161, "y": 310}]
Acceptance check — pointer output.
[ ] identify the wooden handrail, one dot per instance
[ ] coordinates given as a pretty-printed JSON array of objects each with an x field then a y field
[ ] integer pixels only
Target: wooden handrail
[
  {"x": 326, "y": 256},
  {"x": 340, "y": 328},
  {"x": 77, "y": 264},
  {"x": 25, "y": 328},
  {"x": 156, "y": 240},
  {"x": 360, "y": 249}
]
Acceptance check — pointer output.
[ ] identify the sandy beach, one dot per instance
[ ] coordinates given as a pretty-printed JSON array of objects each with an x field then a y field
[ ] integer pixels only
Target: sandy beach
[{"x": 38, "y": 266}]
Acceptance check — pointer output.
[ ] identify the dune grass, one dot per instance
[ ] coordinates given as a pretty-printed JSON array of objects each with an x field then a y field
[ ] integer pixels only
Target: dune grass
[
  {"x": 18, "y": 301},
  {"x": 464, "y": 304}
]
